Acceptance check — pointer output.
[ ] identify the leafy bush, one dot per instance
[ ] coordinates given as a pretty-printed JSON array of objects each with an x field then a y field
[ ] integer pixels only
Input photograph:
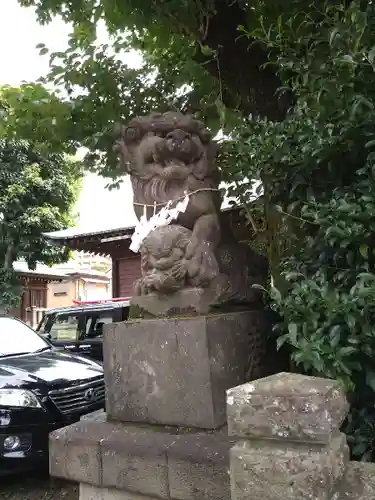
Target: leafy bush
[{"x": 320, "y": 165}]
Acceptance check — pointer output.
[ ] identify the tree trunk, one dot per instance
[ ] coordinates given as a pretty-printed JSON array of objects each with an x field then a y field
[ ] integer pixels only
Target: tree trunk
[
  {"x": 238, "y": 65},
  {"x": 8, "y": 259},
  {"x": 249, "y": 88}
]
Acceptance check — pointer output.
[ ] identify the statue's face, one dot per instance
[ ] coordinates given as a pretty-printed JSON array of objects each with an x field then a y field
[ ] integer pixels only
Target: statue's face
[
  {"x": 161, "y": 252},
  {"x": 166, "y": 242},
  {"x": 165, "y": 139}
]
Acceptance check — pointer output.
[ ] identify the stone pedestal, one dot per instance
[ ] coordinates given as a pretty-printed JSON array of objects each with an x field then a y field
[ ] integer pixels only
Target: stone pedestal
[
  {"x": 164, "y": 434},
  {"x": 125, "y": 461},
  {"x": 175, "y": 371},
  {"x": 289, "y": 444}
]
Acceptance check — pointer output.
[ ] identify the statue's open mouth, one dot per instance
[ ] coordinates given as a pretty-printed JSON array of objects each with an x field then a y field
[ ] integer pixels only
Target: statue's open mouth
[{"x": 185, "y": 150}]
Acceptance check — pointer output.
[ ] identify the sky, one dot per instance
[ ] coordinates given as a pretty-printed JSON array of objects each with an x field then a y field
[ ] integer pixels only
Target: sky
[{"x": 98, "y": 207}]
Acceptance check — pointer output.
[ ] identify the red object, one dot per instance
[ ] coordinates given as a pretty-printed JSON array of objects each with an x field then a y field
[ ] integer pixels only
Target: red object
[{"x": 103, "y": 301}]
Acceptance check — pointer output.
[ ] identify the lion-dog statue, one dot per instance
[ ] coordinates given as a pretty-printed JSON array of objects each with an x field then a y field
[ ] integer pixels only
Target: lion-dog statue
[{"x": 168, "y": 155}]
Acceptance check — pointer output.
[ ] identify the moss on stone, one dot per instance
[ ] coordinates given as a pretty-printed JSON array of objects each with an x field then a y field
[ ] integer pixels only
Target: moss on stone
[
  {"x": 135, "y": 312},
  {"x": 138, "y": 313}
]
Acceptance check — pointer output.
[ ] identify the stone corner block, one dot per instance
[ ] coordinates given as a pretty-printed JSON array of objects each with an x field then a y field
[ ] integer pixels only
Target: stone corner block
[
  {"x": 74, "y": 452},
  {"x": 287, "y": 406},
  {"x": 261, "y": 470},
  {"x": 358, "y": 482},
  {"x": 134, "y": 459},
  {"x": 199, "y": 467},
  {"x": 95, "y": 416}
]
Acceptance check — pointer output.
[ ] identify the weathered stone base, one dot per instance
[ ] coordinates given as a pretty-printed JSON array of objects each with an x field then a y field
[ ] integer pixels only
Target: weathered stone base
[
  {"x": 88, "y": 492},
  {"x": 125, "y": 461},
  {"x": 175, "y": 371},
  {"x": 295, "y": 471},
  {"x": 185, "y": 301}
]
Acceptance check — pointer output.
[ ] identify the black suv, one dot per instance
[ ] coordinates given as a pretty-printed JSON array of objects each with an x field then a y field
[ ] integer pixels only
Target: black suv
[
  {"x": 41, "y": 389},
  {"x": 79, "y": 328}
]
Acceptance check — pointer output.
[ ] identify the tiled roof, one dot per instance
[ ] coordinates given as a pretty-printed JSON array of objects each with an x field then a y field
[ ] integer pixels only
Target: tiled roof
[{"x": 75, "y": 232}]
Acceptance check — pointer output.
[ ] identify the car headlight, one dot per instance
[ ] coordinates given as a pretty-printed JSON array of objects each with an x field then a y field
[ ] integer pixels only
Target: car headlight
[{"x": 19, "y": 398}]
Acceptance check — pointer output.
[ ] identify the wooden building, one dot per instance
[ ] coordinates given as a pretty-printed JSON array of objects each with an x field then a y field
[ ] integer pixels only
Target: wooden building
[
  {"x": 79, "y": 285},
  {"x": 35, "y": 287},
  {"x": 115, "y": 244}
]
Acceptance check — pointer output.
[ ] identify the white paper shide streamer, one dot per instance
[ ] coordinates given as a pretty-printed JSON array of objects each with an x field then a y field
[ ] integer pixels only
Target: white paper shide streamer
[{"x": 162, "y": 218}]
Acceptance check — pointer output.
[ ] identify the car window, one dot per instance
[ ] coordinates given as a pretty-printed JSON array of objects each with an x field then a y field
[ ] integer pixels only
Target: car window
[
  {"x": 65, "y": 327},
  {"x": 125, "y": 313},
  {"x": 89, "y": 322},
  {"x": 95, "y": 323},
  {"x": 42, "y": 325},
  {"x": 18, "y": 338}
]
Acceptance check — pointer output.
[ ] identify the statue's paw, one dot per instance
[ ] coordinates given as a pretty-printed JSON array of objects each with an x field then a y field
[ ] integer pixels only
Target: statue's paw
[
  {"x": 191, "y": 249},
  {"x": 138, "y": 287},
  {"x": 178, "y": 271},
  {"x": 204, "y": 263},
  {"x": 143, "y": 285},
  {"x": 149, "y": 283}
]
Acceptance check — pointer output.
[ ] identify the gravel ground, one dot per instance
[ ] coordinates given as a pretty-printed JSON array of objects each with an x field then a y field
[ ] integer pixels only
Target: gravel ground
[{"x": 38, "y": 487}]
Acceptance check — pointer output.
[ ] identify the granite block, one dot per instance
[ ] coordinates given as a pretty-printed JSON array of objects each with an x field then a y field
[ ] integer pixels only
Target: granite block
[
  {"x": 135, "y": 459},
  {"x": 199, "y": 467},
  {"x": 287, "y": 406},
  {"x": 89, "y": 492},
  {"x": 268, "y": 471},
  {"x": 358, "y": 482},
  {"x": 74, "y": 451},
  {"x": 175, "y": 371},
  {"x": 151, "y": 461}
]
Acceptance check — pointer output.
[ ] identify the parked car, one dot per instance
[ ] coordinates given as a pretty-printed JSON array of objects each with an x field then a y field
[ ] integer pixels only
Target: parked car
[
  {"x": 42, "y": 388},
  {"x": 79, "y": 328}
]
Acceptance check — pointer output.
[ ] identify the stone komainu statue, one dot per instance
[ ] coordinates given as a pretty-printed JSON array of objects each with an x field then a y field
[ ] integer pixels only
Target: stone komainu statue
[{"x": 166, "y": 156}]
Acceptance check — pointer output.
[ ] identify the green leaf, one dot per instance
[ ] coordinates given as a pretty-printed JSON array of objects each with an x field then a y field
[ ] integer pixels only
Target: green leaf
[
  {"x": 360, "y": 448},
  {"x": 351, "y": 321},
  {"x": 207, "y": 51},
  {"x": 371, "y": 55},
  {"x": 370, "y": 379},
  {"x": 348, "y": 58},
  {"x": 275, "y": 294},
  {"x": 279, "y": 22},
  {"x": 366, "y": 276},
  {"x": 280, "y": 341},
  {"x": 293, "y": 330},
  {"x": 335, "y": 335},
  {"x": 346, "y": 351},
  {"x": 333, "y": 34},
  {"x": 221, "y": 109},
  {"x": 363, "y": 250}
]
